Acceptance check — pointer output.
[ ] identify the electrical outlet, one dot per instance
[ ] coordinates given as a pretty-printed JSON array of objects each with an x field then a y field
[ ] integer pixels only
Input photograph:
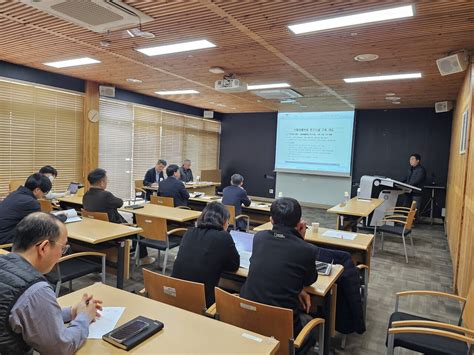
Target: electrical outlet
[{"x": 270, "y": 191}]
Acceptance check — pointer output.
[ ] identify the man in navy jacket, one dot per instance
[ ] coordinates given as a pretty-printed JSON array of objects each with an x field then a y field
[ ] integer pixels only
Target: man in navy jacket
[
  {"x": 173, "y": 187},
  {"x": 154, "y": 176},
  {"x": 21, "y": 203},
  {"x": 235, "y": 195}
]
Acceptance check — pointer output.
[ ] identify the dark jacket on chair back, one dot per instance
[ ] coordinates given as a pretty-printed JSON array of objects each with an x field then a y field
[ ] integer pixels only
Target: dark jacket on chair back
[
  {"x": 16, "y": 276},
  {"x": 99, "y": 200},
  {"x": 13, "y": 209},
  {"x": 172, "y": 187},
  {"x": 203, "y": 255}
]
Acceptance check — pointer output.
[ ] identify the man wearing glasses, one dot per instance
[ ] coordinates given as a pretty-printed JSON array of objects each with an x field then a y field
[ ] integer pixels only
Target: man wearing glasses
[{"x": 30, "y": 316}]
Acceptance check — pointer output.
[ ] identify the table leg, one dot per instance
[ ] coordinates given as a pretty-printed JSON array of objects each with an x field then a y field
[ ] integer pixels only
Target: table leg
[
  {"x": 432, "y": 205},
  {"x": 328, "y": 321},
  {"x": 120, "y": 263}
]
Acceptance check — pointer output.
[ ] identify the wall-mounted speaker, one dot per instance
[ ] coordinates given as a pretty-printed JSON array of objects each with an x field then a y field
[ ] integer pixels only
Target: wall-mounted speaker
[
  {"x": 452, "y": 64},
  {"x": 443, "y": 106},
  {"x": 208, "y": 114},
  {"x": 108, "y": 91}
]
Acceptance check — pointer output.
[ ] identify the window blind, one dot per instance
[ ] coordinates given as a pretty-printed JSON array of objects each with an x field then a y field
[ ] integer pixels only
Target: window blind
[{"x": 39, "y": 126}]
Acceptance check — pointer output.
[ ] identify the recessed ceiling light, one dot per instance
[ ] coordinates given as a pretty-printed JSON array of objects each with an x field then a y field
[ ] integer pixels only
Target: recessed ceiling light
[
  {"x": 177, "y": 92},
  {"x": 366, "y": 57},
  {"x": 383, "y": 77},
  {"x": 72, "y": 62},
  {"x": 392, "y": 98},
  {"x": 268, "y": 86},
  {"x": 390, "y": 94},
  {"x": 221, "y": 105},
  {"x": 134, "y": 81},
  {"x": 216, "y": 70},
  {"x": 396, "y": 102},
  {"x": 176, "y": 48},
  {"x": 352, "y": 20}
]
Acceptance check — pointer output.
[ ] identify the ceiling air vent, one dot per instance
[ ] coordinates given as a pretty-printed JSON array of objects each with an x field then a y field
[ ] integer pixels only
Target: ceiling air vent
[
  {"x": 96, "y": 15},
  {"x": 278, "y": 94}
]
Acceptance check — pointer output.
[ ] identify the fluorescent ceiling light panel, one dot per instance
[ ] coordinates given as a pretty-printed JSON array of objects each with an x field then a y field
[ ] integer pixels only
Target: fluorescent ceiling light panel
[
  {"x": 268, "y": 86},
  {"x": 72, "y": 62},
  {"x": 176, "y": 92},
  {"x": 176, "y": 48},
  {"x": 352, "y": 20},
  {"x": 383, "y": 77}
]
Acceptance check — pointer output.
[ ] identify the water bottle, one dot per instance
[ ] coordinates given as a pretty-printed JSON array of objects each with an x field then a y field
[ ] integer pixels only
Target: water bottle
[{"x": 346, "y": 197}]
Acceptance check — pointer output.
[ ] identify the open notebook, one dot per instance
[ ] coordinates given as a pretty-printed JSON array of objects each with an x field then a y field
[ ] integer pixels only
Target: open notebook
[{"x": 71, "y": 215}]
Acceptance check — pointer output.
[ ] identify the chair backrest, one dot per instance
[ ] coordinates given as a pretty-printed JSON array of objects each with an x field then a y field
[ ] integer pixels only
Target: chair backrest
[
  {"x": 45, "y": 205},
  {"x": 175, "y": 292},
  {"x": 213, "y": 175},
  {"x": 468, "y": 312},
  {"x": 138, "y": 184},
  {"x": 411, "y": 216},
  {"x": 15, "y": 184},
  {"x": 161, "y": 200},
  {"x": 101, "y": 216},
  {"x": 153, "y": 227},
  {"x": 231, "y": 210},
  {"x": 257, "y": 317}
]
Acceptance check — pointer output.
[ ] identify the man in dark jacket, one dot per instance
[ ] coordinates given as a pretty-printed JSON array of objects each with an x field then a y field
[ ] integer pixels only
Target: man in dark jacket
[
  {"x": 173, "y": 187},
  {"x": 235, "y": 195},
  {"x": 416, "y": 177},
  {"x": 154, "y": 176},
  {"x": 185, "y": 172},
  {"x": 21, "y": 203},
  {"x": 282, "y": 264},
  {"x": 97, "y": 199}
]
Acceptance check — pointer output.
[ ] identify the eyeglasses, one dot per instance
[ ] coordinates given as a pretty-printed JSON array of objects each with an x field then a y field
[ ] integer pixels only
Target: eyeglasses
[{"x": 64, "y": 247}]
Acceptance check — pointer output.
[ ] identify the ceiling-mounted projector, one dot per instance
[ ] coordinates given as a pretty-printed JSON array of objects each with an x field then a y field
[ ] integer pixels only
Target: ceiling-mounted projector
[{"x": 230, "y": 85}]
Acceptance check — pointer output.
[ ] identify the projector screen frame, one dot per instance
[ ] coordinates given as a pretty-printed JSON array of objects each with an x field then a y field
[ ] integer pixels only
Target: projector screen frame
[{"x": 313, "y": 172}]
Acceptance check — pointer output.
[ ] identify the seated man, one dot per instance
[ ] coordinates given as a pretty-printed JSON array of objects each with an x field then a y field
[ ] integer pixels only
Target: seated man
[
  {"x": 186, "y": 174},
  {"x": 31, "y": 316},
  {"x": 282, "y": 263},
  {"x": 97, "y": 199},
  {"x": 173, "y": 187},
  {"x": 21, "y": 203},
  {"x": 51, "y": 173},
  {"x": 154, "y": 176},
  {"x": 235, "y": 195}
]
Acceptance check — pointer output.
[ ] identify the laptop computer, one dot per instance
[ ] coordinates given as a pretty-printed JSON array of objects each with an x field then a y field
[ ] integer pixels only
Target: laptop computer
[
  {"x": 244, "y": 243},
  {"x": 73, "y": 187}
]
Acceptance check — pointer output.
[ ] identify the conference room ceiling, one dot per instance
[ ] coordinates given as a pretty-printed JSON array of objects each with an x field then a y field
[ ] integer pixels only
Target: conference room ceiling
[{"x": 253, "y": 42}]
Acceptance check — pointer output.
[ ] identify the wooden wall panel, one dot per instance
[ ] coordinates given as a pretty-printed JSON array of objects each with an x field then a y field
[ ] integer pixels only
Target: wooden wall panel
[
  {"x": 91, "y": 131},
  {"x": 465, "y": 273},
  {"x": 456, "y": 186}
]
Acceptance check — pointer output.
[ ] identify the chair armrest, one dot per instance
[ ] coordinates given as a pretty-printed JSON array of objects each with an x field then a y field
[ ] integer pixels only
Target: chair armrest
[
  {"x": 137, "y": 189},
  {"x": 362, "y": 267},
  {"x": 430, "y": 293},
  {"x": 183, "y": 207},
  {"x": 211, "y": 311},
  {"x": 393, "y": 220},
  {"x": 244, "y": 216},
  {"x": 398, "y": 216},
  {"x": 8, "y": 245},
  {"x": 399, "y": 209},
  {"x": 173, "y": 231},
  {"x": 143, "y": 292},
  {"x": 433, "y": 324},
  {"x": 441, "y": 333},
  {"x": 78, "y": 255},
  {"x": 306, "y": 330}
]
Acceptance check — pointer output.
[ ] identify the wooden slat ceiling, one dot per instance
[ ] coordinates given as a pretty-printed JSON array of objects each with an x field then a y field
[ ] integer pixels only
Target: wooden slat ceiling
[{"x": 253, "y": 41}]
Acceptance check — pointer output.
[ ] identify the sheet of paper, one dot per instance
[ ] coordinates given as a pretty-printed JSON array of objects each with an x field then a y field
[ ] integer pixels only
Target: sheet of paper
[
  {"x": 245, "y": 258},
  {"x": 339, "y": 234},
  {"x": 105, "y": 323}
]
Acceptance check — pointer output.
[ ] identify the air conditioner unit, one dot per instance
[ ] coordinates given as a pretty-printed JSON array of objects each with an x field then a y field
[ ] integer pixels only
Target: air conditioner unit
[
  {"x": 278, "y": 94},
  {"x": 230, "y": 85},
  {"x": 96, "y": 15},
  {"x": 452, "y": 64},
  {"x": 443, "y": 106},
  {"x": 108, "y": 91}
]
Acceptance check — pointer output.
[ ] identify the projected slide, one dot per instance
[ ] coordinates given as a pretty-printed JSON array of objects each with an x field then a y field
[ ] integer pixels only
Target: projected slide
[{"x": 314, "y": 142}]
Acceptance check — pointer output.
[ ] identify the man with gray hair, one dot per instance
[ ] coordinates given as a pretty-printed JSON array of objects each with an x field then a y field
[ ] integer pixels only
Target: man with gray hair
[
  {"x": 235, "y": 195},
  {"x": 30, "y": 316},
  {"x": 186, "y": 174}
]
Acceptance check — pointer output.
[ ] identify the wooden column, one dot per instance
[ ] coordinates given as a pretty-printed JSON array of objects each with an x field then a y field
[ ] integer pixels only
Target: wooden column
[{"x": 91, "y": 131}]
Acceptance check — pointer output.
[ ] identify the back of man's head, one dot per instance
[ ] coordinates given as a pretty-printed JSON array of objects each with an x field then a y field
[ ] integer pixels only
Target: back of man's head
[
  {"x": 35, "y": 228},
  {"x": 96, "y": 176},
  {"x": 285, "y": 211},
  {"x": 171, "y": 169},
  {"x": 236, "y": 179},
  {"x": 40, "y": 181}
]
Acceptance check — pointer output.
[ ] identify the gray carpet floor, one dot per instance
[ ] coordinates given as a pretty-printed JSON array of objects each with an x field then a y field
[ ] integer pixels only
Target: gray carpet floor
[{"x": 429, "y": 268}]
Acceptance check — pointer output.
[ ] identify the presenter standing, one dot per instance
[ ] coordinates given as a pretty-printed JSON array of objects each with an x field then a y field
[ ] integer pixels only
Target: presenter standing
[{"x": 416, "y": 177}]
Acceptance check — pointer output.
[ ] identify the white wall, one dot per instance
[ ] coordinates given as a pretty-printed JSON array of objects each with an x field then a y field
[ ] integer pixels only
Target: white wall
[{"x": 313, "y": 189}]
